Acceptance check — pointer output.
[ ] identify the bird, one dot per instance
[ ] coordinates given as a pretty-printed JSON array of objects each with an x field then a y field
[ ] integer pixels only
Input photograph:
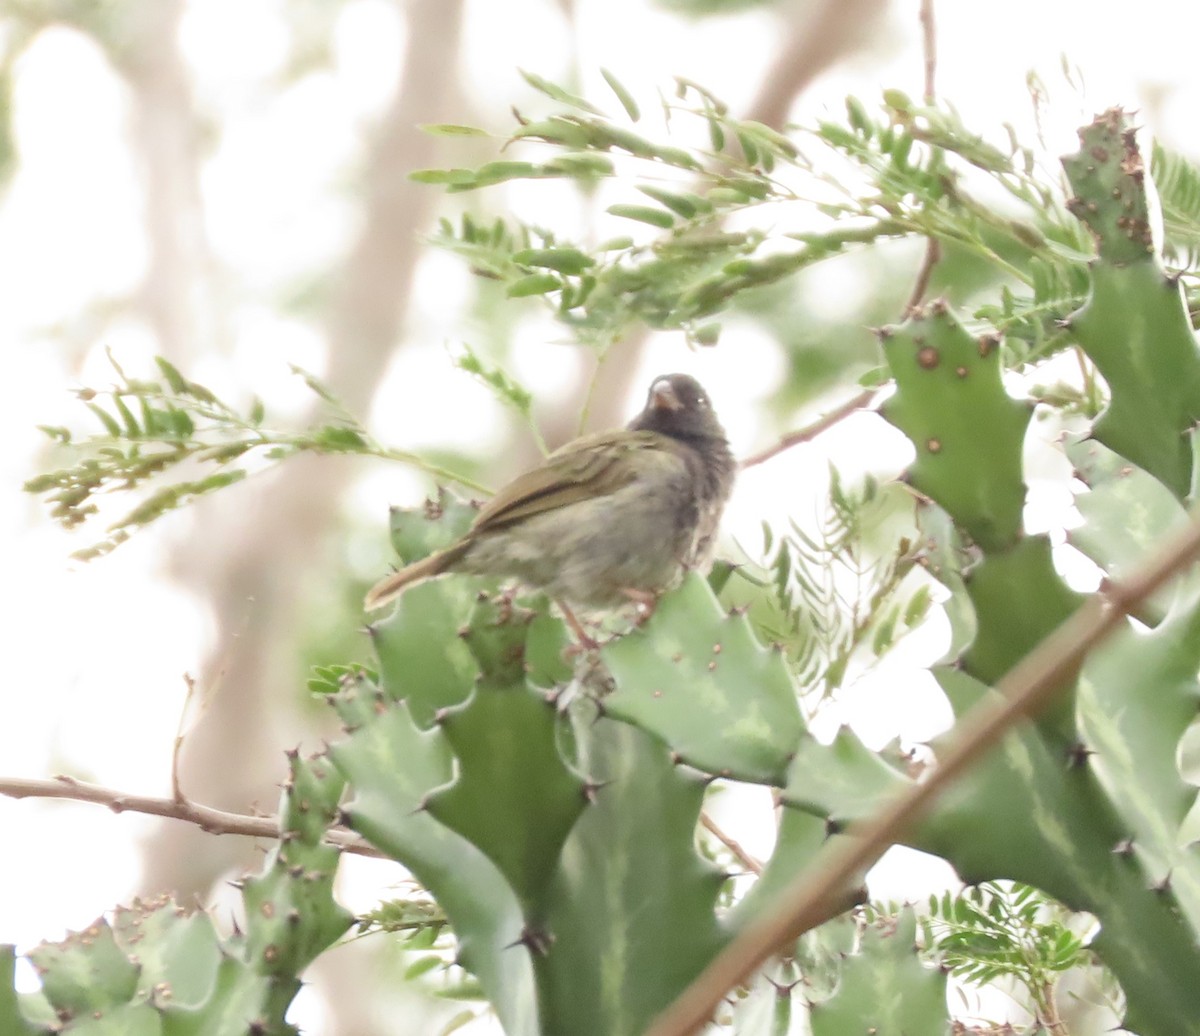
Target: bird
[{"x": 609, "y": 518}]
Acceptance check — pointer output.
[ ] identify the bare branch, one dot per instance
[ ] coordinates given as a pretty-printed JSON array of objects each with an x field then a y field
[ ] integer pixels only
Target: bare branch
[
  {"x": 1029, "y": 686},
  {"x": 933, "y": 248},
  {"x": 811, "y": 431},
  {"x": 214, "y": 821},
  {"x": 933, "y": 252},
  {"x": 744, "y": 858},
  {"x": 929, "y": 48}
]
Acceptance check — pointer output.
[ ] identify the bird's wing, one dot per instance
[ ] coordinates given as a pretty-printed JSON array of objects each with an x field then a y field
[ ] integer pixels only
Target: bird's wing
[{"x": 589, "y": 467}]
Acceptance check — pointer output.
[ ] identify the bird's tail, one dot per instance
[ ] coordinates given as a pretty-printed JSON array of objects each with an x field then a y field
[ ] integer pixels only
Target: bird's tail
[{"x": 391, "y": 587}]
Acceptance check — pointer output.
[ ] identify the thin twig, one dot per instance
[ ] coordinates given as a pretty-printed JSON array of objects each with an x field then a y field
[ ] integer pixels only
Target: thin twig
[
  {"x": 811, "y": 431},
  {"x": 214, "y": 821},
  {"x": 929, "y": 49},
  {"x": 933, "y": 248},
  {"x": 744, "y": 858},
  {"x": 176, "y": 785},
  {"x": 933, "y": 253},
  {"x": 1023, "y": 691}
]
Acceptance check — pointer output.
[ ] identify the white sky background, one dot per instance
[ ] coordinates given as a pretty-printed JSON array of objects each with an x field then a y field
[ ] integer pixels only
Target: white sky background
[{"x": 94, "y": 654}]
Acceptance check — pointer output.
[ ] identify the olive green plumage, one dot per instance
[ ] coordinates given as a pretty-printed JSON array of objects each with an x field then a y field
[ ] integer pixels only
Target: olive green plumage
[{"x": 608, "y": 517}]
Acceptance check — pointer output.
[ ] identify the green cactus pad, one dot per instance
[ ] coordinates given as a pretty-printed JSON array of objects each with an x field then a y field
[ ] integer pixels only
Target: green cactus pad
[
  {"x": 11, "y": 1019},
  {"x": 188, "y": 983},
  {"x": 1019, "y": 599},
  {"x": 1137, "y": 696},
  {"x": 179, "y": 953},
  {"x": 416, "y": 532},
  {"x": 800, "y": 837},
  {"x": 392, "y": 767},
  {"x": 631, "y": 918},
  {"x": 1135, "y": 324},
  {"x": 1108, "y": 177},
  {"x": 418, "y": 662},
  {"x": 86, "y": 973},
  {"x": 1126, "y": 514},
  {"x": 842, "y": 782},
  {"x": 885, "y": 988},
  {"x": 512, "y": 797},
  {"x": 1135, "y": 328},
  {"x": 291, "y": 915},
  {"x": 967, "y": 431},
  {"x": 696, "y": 678}
]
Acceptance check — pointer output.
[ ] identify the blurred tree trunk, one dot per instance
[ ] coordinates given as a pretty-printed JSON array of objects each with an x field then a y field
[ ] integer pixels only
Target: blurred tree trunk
[
  {"x": 254, "y": 551},
  {"x": 255, "y": 548}
]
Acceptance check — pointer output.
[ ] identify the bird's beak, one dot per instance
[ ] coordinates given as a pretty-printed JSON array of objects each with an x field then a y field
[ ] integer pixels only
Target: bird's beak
[{"x": 664, "y": 397}]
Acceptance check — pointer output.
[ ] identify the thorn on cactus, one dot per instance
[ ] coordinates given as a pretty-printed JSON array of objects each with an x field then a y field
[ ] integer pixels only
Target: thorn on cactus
[
  {"x": 536, "y": 940},
  {"x": 1162, "y": 886},
  {"x": 1077, "y": 755}
]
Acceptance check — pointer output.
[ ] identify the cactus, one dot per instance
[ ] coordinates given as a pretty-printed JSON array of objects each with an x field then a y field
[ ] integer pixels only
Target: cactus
[
  {"x": 1134, "y": 325},
  {"x": 156, "y": 969},
  {"x": 885, "y": 988},
  {"x": 698, "y": 679},
  {"x": 549, "y": 801},
  {"x": 540, "y": 870}
]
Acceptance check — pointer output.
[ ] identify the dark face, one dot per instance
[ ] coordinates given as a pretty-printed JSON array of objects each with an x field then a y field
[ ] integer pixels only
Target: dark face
[{"x": 677, "y": 405}]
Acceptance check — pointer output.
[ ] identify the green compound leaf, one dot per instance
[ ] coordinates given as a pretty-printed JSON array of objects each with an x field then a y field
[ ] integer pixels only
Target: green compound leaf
[
  {"x": 696, "y": 678},
  {"x": 967, "y": 431}
]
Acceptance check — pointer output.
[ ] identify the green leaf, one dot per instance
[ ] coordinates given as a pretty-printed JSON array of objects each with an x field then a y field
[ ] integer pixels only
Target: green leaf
[
  {"x": 557, "y": 93},
  {"x": 682, "y": 204},
  {"x": 623, "y": 95},
  {"x": 458, "y": 177},
  {"x": 533, "y": 284},
  {"x": 564, "y": 260},
  {"x": 106, "y": 419},
  {"x": 644, "y": 214},
  {"x": 449, "y": 129},
  {"x": 177, "y": 382}
]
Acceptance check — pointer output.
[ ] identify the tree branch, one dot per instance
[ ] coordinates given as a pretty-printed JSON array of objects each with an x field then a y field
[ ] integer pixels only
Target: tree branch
[
  {"x": 933, "y": 247},
  {"x": 811, "y": 431},
  {"x": 1029, "y": 686},
  {"x": 214, "y": 821}
]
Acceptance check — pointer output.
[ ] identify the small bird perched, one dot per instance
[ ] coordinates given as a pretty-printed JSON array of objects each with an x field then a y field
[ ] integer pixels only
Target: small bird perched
[{"x": 606, "y": 519}]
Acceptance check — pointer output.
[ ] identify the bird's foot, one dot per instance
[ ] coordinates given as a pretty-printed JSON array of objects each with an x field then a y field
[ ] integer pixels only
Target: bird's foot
[{"x": 584, "y": 641}]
